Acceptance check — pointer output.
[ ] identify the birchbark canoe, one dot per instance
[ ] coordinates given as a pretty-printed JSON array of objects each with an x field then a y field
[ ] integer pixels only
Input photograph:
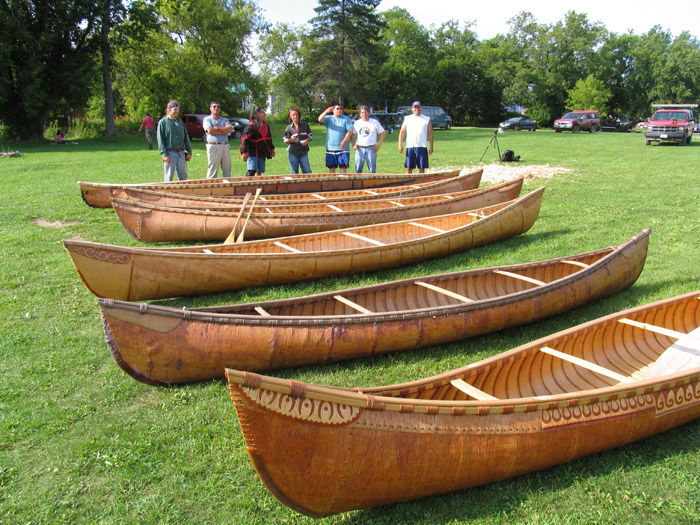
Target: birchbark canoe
[
  {"x": 135, "y": 274},
  {"x": 152, "y": 223},
  {"x": 97, "y": 194},
  {"x": 160, "y": 345},
  {"x": 463, "y": 182},
  {"x": 322, "y": 450}
]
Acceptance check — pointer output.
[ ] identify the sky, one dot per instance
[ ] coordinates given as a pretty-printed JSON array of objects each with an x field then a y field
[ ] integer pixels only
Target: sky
[{"x": 491, "y": 17}]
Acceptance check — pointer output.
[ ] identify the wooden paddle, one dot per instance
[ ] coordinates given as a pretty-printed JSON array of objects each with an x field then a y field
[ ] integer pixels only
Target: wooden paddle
[
  {"x": 232, "y": 236},
  {"x": 250, "y": 212}
]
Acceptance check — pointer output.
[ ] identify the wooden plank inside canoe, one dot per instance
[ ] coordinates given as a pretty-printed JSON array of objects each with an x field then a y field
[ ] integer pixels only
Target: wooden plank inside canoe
[
  {"x": 282, "y": 245},
  {"x": 352, "y": 304},
  {"x": 471, "y": 391},
  {"x": 261, "y": 311},
  {"x": 366, "y": 239},
  {"x": 334, "y": 208},
  {"x": 427, "y": 227},
  {"x": 576, "y": 263},
  {"x": 445, "y": 292},
  {"x": 587, "y": 365},
  {"x": 521, "y": 277},
  {"x": 657, "y": 329}
]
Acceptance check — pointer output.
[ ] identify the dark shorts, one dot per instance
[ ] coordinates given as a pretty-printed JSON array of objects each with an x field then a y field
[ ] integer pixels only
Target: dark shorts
[
  {"x": 337, "y": 159},
  {"x": 417, "y": 158}
]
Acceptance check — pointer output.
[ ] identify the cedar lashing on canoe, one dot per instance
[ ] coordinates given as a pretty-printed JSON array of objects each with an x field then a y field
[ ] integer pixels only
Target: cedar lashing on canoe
[
  {"x": 466, "y": 181},
  {"x": 152, "y": 223},
  {"x": 161, "y": 345},
  {"x": 323, "y": 450},
  {"x": 135, "y": 274},
  {"x": 97, "y": 194}
]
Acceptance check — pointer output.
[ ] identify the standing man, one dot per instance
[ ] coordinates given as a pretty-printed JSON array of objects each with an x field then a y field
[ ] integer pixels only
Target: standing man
[
  {"x": 366, "y": 145},
  {"x": 149, "y": 124},
  {"x": 173, "y": 143},
  {"x": 418, "y": 130},
  {"x": 337, "y": 126},
  {"x": 218, "y": 150}
]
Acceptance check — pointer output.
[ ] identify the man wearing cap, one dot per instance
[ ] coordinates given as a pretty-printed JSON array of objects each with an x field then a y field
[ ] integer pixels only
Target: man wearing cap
[
  {"x": 418, "y": 131},
  {"x": 218, "y": 129},
  {"x": 173, "y": 143},
  {"x": 337, "y": 126}
]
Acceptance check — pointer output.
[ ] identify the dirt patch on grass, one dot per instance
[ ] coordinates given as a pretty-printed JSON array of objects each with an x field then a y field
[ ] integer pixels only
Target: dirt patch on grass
[
  {"x": 497, "y": 173},
  {"x": 55, "y": 224}
]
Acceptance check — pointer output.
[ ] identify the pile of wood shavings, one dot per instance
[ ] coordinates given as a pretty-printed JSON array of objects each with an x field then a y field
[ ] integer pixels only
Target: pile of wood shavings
[{"x": 497, "y": 173}]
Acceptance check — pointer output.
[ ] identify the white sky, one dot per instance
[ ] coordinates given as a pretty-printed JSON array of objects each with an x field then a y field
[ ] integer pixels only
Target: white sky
[{"x": 491, "y": 17}]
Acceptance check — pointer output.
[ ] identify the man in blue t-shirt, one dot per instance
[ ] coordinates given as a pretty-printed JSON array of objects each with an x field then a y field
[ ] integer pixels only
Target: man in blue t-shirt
[{"x": 337, "y": 126}]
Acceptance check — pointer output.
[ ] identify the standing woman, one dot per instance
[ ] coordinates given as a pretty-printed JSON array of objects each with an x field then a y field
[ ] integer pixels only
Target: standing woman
[
  {"x": 298, "y": 136},
  {"x": 256, "y": 143}
]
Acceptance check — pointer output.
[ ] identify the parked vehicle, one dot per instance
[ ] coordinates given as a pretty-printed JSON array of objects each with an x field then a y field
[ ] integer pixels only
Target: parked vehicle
[
  {"x": 576, "y": 121},
  {"x": 518, "y": 123},
  {"x": 195, "y": 128},
  {"x": 438, "y": 117},
  {"x": 671, "y": 123}
]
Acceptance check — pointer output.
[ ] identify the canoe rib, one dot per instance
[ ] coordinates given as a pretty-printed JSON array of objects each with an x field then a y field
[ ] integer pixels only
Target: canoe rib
[
  {"x": 161, "y": 345},
  {"x": 316, "y": 447}
]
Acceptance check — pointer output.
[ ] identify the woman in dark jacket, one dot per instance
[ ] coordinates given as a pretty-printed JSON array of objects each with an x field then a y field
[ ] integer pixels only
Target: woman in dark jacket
[
  {"x": 256, "y": 143},
  {"x": 298, "y": 136}
]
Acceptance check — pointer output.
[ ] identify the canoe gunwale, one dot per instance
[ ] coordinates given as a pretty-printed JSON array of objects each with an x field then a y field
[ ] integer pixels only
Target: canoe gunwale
[
  {"x": 205, "y": 315},
  {"x": 371, "y": 398}
]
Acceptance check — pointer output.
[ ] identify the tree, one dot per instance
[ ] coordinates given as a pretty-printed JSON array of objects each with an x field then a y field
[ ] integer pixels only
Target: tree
[
  {"x": 406, "y": 74},
  {"x": 49, "y": 61},
  {"x": 344, "y": 48},
  {"x": 193, "y": 51},
  {"x": 590, "y": 93},
  {"x": 283, "y": 55}
]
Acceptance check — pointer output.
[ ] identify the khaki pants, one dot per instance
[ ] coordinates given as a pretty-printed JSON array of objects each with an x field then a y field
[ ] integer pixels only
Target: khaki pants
[{"x": 218, "y": 154}]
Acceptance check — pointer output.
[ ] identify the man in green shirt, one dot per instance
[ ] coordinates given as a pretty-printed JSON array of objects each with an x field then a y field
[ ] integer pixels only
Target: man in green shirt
[{"x": 174, "y": 143}]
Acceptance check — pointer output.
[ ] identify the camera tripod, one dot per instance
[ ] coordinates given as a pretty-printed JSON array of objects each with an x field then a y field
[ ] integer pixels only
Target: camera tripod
[{"x": 493, "y": 139}]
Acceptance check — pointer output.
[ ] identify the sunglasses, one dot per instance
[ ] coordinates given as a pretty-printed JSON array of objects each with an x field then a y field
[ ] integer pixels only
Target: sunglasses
[{"x": 215, "y": 106}]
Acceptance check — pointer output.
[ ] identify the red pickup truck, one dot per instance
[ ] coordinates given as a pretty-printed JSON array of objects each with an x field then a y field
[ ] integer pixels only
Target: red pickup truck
[{"x": 671, "y": 123}]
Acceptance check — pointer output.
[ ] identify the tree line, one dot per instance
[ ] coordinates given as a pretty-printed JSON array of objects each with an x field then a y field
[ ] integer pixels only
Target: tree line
[{"x": 105, "y": 57}]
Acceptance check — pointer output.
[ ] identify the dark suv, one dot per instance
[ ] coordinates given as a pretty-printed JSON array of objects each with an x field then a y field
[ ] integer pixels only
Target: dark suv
[
  {"x": 576, "y": 121},
  {"x": 438, "y": 117}
]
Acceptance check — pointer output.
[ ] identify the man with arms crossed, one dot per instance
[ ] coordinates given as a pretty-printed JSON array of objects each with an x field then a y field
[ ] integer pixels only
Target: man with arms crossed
[
  {"x": 173, "y": 143},
  {"x": 370, "y": 135},
  {"x": 218, "y": 151},
  {"x": 418, "y": 131},
  {"x": 337, "y": 126}
]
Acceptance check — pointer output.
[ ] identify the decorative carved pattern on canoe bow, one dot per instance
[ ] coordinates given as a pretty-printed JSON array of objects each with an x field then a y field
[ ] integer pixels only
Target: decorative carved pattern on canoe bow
[
  {"x": 312, "y": 410},
  {"x": 102, "y": 254}
]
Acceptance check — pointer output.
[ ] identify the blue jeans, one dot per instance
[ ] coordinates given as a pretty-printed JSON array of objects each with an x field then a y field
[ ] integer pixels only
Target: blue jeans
[
  {"x": 256, "y": 163},
  {"x": 367, "y": 155},
  {"x": 295, "y": 162},
  {"x": 177, "y": 164}
]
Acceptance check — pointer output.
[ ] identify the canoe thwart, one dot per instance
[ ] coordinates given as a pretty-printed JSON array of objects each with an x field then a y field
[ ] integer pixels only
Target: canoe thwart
[
  {"x": 352, "y": 304},
  {"x": 587, "y": 365},
  {"x": 445, "y": 292},
  {"x": 576, "y": 263},
  {"x": 282, "y": 245},
  {"x": 427, "y": 227},
  {"x": 366, "y": 239},
  {"x": 261, "y": 311},
  {"x": 656, "y": 329},
  {"x": 521, "y": 277},
  {"x": 472, "y": 391}
]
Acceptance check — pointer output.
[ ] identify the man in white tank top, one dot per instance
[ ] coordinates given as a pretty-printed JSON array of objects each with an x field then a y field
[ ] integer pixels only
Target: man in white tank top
[{"x": 418, "y": 131}]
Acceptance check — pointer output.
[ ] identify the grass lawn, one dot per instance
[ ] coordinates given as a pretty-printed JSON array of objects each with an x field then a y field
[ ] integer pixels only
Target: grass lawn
[{"x": 82, "y": 442}]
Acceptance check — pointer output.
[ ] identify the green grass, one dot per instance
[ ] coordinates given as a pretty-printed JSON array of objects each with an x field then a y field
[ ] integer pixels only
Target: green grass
[{"x": 80, "y": 441}]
